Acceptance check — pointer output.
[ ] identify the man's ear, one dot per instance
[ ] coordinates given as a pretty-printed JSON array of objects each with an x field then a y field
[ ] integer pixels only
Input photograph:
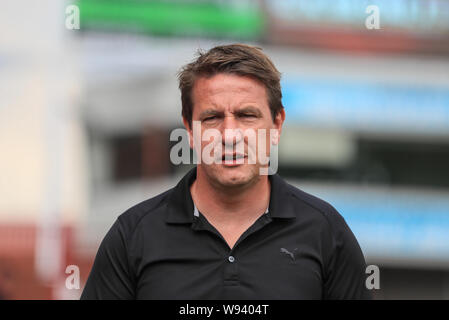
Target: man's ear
[
  {"x": 278, "y": 122},
  {"x": 189, "y": 130}
]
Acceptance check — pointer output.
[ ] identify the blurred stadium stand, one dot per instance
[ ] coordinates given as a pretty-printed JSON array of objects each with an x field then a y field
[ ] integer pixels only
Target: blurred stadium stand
[{"x": 86, "y": 117}]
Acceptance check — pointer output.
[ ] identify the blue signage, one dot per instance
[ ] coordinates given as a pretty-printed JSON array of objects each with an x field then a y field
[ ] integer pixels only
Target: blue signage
[
  {"x": 395, "y": 225},
  {"x": 366, "y": 106}
]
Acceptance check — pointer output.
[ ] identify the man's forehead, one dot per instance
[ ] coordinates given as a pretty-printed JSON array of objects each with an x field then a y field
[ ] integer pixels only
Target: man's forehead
[{"x": 221, "y": 83}]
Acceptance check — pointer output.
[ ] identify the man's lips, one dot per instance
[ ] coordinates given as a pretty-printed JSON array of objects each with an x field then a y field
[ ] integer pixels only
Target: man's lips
[
  {"x": 233, "y": 159},
  {"x": 233, "y": 156}
]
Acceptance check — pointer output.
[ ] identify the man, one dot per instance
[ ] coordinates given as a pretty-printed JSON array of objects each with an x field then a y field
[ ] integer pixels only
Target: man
[{"x": 227, "y": 230}]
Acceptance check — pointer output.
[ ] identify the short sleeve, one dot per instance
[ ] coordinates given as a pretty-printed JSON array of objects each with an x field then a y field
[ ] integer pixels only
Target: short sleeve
[
  {"x": 111, "y": 277},
  {"x": 345, "y": 271}
]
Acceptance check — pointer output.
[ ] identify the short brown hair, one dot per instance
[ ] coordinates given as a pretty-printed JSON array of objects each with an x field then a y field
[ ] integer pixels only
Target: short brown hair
[{"x": 239, "y": 59}]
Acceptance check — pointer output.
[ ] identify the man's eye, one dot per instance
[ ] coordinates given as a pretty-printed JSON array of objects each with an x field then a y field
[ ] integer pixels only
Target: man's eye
[
  {"x": 248, "y": 115},
  {"x": 209, "y": 118}
]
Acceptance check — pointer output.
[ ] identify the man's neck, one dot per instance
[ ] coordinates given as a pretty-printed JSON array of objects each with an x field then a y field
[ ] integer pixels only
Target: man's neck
[{"x": 230, "y": 204}]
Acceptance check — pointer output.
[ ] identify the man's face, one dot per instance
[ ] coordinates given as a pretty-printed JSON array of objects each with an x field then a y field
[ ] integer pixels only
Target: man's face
[{"x": 226, "y": 104}]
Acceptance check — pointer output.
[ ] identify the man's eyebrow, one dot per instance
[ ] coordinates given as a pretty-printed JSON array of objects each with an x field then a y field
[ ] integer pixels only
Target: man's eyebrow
[
  {"x": 249, "y": 109},
  {"x": 210, "y": 112}
]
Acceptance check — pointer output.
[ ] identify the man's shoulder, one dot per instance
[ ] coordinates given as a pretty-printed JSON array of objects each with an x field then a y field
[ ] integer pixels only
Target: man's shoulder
[
  {"x": 149, "y": 207},
  {"x": 314, "y": 205}
]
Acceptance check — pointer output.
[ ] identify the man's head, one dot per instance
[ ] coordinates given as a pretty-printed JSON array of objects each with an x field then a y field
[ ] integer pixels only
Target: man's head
[{"x": 232, "y": 87}]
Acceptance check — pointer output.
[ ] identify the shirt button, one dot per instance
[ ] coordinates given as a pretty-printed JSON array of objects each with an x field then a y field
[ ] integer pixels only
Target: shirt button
[{"x": 231, "y": 259}]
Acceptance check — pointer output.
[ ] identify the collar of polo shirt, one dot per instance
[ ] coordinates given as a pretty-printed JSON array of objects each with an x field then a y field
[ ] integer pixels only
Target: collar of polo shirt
[
  {"x": 196, "y": 213},
  {"x": 180, "y": 204}
]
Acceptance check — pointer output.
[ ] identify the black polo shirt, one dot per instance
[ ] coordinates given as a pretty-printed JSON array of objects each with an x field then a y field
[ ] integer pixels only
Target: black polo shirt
[{"x": 301, "y": 248}]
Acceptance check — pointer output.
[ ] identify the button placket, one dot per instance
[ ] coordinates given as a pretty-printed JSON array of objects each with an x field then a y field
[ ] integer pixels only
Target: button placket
[{"x": 230, "y": 275}]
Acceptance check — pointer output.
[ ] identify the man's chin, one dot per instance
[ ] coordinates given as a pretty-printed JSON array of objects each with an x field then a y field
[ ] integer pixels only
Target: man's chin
[{"x": 233, "y": 177}]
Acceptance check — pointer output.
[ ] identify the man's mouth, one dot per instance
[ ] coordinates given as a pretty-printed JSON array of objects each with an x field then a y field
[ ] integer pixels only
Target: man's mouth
[{"x": 233, "y": 159}]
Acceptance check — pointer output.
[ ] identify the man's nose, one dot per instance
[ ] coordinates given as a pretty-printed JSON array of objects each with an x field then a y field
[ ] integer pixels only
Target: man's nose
[{"x": 231, "y": 132}]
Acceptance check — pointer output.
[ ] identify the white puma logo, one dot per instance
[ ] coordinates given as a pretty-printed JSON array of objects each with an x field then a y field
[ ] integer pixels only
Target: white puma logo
[{"x": 283, "y": 250}]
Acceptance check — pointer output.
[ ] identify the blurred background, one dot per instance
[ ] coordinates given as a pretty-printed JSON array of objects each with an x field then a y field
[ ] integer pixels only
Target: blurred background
[{"x": 86, "y": 116}]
